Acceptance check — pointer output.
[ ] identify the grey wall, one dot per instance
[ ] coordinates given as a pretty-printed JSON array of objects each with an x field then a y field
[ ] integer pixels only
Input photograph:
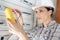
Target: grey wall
[{"x": 54, "y": 1}]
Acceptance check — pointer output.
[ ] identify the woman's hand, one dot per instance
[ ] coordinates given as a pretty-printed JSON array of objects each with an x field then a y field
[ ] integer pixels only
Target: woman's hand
[{"x": 17, "y": 27}]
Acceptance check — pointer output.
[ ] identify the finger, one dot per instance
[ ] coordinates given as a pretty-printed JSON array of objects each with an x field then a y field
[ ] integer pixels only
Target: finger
[
  {"x": 10, "y": 29},
  {"x": 11, "y": 24},
  {"x": 19, "y": 16},
  {"x": 20, "y": 19},
  {"x": 13, "y": 32},
  {"x": 17, "y": 12}
]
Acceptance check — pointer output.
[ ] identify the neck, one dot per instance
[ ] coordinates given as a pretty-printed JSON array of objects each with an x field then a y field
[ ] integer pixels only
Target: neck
[{"x": 47, "y": 21}]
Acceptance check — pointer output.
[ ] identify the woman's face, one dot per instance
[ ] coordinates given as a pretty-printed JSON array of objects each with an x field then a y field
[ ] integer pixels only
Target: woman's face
[{"x": 42, "y": 13}]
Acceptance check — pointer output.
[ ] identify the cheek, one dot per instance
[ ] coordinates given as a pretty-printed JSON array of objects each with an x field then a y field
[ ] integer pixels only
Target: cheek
[
  {"x": 38, "y": 16},
  {"x": 44, "y": 16}
]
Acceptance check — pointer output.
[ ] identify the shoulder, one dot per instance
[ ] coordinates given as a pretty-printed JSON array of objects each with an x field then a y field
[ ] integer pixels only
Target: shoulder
[
  {"x": 56, "y": 35},
  {"x": 58, "y": 28}
]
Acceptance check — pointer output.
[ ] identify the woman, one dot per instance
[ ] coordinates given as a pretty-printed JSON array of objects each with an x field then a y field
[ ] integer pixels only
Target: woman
[{"x": 49, "y": 31}]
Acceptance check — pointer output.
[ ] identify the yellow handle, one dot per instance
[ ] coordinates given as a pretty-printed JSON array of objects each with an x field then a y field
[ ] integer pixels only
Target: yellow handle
[{"x": 9, "y": 14}]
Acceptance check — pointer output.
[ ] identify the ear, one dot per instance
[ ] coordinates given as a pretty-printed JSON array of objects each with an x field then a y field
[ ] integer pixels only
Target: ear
[{"x": 50, "y": 12}]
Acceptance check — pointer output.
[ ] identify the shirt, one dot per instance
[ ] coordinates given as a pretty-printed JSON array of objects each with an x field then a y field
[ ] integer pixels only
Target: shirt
[{"x": 50, "y": 32}]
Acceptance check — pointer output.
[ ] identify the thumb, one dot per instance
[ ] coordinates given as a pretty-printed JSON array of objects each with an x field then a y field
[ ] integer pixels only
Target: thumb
[{"x": 19, "y": 15}]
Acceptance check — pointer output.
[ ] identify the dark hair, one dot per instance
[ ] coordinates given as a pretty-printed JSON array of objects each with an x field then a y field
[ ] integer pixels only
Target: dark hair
[{"x": 50, "y": 8}]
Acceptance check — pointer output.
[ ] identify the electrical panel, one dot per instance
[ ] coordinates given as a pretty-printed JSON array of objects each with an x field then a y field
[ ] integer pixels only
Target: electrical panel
[
  {"x": 3, "y": 23},
  {"x": 25, "y": 7}
]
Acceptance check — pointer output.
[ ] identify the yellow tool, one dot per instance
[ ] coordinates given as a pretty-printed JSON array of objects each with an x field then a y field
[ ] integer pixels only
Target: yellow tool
[{"x": 9, "y": 14}]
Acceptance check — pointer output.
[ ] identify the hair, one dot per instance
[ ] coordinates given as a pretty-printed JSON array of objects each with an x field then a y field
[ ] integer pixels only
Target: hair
[{"x": 50, "y": 8}]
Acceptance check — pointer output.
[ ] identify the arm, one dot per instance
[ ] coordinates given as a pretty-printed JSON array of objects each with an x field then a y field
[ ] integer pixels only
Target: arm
[
  {"x": 23, "y": 36},
  {"x": 17, "y": 28}
]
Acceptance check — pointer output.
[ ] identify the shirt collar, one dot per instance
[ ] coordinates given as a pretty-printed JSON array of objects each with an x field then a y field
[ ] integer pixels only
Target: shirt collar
[{"x": 51, "y": 23}]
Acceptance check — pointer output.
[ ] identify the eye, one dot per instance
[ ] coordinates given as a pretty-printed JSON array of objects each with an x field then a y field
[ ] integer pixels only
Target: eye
[
  {"x": 36, "y": 11},
  {"x": 41, "y": 10}
]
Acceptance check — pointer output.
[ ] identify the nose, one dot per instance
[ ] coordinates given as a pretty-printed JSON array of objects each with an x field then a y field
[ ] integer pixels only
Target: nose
[{"x": 38, "y": 15}]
